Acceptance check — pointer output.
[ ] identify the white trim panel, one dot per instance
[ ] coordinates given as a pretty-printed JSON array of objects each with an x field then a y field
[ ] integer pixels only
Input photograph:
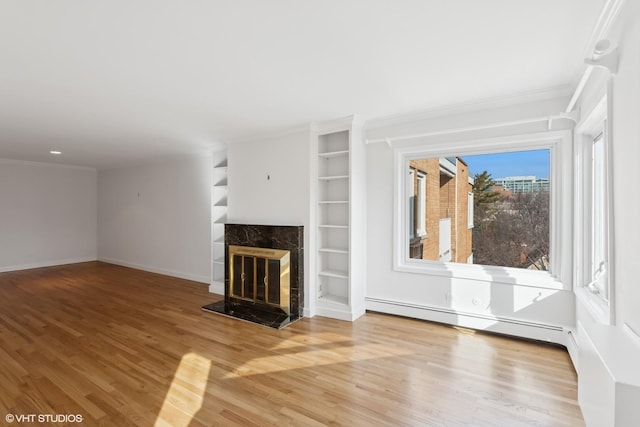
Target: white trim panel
[
  {"x": 42, "y": 264},
  {"x": 482, "y": 322},
  {"x": 172, "y": 273}
]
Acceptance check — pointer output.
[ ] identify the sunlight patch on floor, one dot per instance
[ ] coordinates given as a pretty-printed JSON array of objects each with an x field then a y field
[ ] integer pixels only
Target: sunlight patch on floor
[
  {"x": 307, "y": 359},
  {"x": 186, "y": 394},
  {"x": 310, "y": 339}
]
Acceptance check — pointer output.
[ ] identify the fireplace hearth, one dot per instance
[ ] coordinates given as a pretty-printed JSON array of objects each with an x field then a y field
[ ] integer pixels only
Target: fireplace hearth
[{"x": 263, "y": 274}]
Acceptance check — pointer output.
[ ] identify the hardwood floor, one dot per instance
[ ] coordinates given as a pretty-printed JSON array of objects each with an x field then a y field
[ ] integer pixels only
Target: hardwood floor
[{"x": 123, "y": 347}]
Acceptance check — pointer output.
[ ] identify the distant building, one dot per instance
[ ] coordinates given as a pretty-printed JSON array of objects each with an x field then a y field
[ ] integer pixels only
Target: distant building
[
  {"x": 503, "y": 191},
  {"x": 523, "y": 184}
]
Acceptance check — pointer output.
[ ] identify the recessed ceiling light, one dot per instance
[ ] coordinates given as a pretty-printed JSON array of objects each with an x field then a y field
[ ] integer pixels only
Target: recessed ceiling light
[{"x": 55, "y": 152}]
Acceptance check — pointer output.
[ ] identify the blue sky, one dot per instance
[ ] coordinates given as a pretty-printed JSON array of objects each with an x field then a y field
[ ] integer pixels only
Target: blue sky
[{"x": 500, "y": 165}]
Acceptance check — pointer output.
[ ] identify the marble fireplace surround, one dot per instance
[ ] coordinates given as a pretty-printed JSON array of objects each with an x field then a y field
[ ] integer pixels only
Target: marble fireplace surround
[{"x": 282, "y": 237}]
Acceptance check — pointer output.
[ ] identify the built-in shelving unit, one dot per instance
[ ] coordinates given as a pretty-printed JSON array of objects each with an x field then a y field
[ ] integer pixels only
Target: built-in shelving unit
[
  {"x": 219, "y": 217},
  {"x": 339, "y": 223}
]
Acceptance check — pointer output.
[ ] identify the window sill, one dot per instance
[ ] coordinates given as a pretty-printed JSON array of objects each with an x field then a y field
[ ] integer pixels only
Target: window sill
[
  {"x": 504, "y": 275},
  {"x": 595, "y": 305}
]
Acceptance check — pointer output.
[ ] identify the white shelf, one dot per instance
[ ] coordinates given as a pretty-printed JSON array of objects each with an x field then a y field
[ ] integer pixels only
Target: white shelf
[
  {"x": 340, "y": 220},
  {"x": 334, "y": 299},
  {"x": 334, "y": 177},
  {"x": 334, "y": 250},
  {"x": 340, "y": 274},
  {"x": 330, "y": 154},
  {"x": 333, "y": 214},
  {"x": 218, "y": 217}
]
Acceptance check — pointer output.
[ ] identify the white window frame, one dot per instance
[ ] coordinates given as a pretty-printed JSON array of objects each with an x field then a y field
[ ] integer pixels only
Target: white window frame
[
  {"x": 593, "y": 285},
  {"x": 599, "y": 217},
  {"x": 559, "y": 143}
]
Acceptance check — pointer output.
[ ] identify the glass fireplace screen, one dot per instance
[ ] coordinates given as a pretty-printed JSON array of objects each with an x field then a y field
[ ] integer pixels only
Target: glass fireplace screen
[{"x": 260, "y": 275}]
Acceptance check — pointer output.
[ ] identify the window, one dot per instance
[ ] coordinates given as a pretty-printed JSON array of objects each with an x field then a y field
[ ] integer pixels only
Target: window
[
  {"x": 512, "y": 217},
  {"x": 599, "y": 282},
  {"x": 445, "y": 178},
  {"x": 592, "y": 222}
]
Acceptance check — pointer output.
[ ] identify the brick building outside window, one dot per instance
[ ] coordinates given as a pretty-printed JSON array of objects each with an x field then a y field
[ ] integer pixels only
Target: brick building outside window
[{"x": 440, "y": 203}]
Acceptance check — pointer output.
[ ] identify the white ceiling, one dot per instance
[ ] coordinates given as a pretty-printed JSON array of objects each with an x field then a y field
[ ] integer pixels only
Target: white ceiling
[{"x": 114, "y": 82}]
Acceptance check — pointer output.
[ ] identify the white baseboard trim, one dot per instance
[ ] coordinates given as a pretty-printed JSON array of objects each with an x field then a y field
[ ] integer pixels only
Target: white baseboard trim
[
  {"x": 216, "y": 288},
  {"x": 339, "y": 313},
  {"x": 478, "y": 321},
  {"x": 172, "y": 273},
  {"x": 42, "y": 264}
]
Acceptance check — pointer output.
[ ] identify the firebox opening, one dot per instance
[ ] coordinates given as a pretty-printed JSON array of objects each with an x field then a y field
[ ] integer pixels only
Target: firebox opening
[{"x": 260, "y": 275}]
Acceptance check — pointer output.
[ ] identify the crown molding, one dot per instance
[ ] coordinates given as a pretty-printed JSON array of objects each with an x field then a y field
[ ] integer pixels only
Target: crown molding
[
  {"x": 340, "y": 123},
  {"x": 282, "y": 132},
  {"x": 472, "y": 106},
  {"x": 45, "y": 164},
  {"x": 336, "y": 125},
  {"x": 202, "y": 153}
]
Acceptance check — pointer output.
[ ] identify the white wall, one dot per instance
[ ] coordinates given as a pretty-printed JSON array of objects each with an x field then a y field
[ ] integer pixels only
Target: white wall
[
  {"x": 269, "y": 184},
  {"x": 525, "y": 310},
  {"x": 156, "y": 217},
  {"x": 47, "y": 214},
  {"x": 609, "y": 355},
  {"x": 626, "y": 157}
]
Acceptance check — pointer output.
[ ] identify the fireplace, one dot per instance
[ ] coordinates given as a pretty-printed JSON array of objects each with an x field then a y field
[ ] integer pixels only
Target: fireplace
[{"x": 263, "y": 274}]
